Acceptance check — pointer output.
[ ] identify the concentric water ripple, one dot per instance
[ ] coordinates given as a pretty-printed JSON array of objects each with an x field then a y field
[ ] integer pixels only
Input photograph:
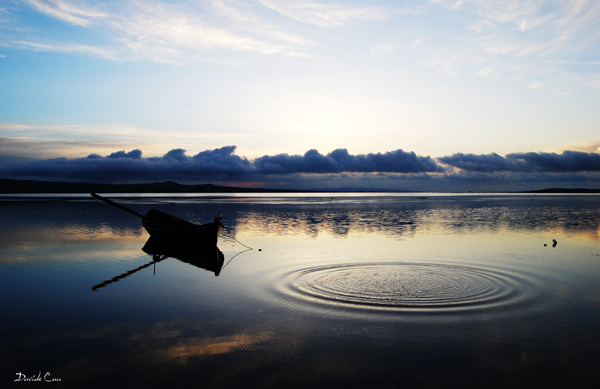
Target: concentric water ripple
[{"x": 406, "y": 286}]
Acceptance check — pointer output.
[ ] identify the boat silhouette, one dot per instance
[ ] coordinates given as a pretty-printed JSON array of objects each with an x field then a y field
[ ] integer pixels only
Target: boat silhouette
[{"x": 165, "y": 226}]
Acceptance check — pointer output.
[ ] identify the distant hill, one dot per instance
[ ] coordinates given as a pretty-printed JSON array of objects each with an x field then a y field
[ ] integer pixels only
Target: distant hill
[
  {"x": 8, "y": 186},
  {"x": 565, "y": 190}
]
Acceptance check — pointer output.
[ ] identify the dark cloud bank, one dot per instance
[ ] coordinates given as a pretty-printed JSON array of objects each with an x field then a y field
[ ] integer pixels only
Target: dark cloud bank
[
  {"x": 394, "y": 170},
  {"x": 567, "y": 162}
]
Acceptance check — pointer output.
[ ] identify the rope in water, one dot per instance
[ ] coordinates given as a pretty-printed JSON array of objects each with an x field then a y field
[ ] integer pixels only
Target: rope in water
[
  {"x": 228, "y": 262},
  {"x": 233, "y": 237}
]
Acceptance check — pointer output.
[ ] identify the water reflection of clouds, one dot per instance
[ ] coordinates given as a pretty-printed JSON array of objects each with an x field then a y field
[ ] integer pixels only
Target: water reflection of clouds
[
  {"x": 37, "y": 235},
  {"x": 32, "y": 224},
  {"x": 349, "y": 308},
  {"x": 399, "y": 223},
  {"x": 195, "y": 347},
  {"x": 176, "y": 342},
  {"x": 279, "y": 336},
  {"x": 332, "y": 222},
  {"x": 67, "y": 244}
]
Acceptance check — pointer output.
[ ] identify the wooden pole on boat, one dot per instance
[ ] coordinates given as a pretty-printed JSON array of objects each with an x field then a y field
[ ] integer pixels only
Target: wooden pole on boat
[{"x": 117, "y": 205}]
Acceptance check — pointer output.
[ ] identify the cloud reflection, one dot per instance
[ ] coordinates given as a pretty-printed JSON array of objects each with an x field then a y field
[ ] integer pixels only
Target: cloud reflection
[
  {"x": 73, "y": 227},
  {"x": 137, "y": 350},
  {"x": 194, "y": 347},
  {"x": 406, "y": 217}
]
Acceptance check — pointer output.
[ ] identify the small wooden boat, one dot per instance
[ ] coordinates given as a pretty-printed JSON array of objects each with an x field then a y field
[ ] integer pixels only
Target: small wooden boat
[{"x": 165, "y": 226}]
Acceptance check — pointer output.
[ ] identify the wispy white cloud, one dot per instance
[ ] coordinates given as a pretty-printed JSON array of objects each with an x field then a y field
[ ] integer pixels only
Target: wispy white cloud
[
  {"x": 512, "y": 37},
  {"x": 594, "y": 83},
  {"x": 536, "y": 85},
  {"x": 158, "y": 28},
  {"x": 383, "y": 48},
  {"x": 248, "y": 20},
  {"x": 416, "y": 43},
  {"x": 162, "y": 31},
  {"x": 68, "y": 48},
  {"x": 534, "y": 36},
  {"x": 78, "y": 14},
  {"x": 450, "y": 60},
  {"x": 486, "y": 72},
  {"x": 561, "y": 92},
  {"x": 327, "y": 14},
  {"x": 534, "y": 27},
  {"x": 180, "y": 31}
]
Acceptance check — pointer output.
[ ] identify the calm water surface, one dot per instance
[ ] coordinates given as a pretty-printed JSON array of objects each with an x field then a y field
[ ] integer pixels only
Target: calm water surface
[{"x": 416, "y": 290}]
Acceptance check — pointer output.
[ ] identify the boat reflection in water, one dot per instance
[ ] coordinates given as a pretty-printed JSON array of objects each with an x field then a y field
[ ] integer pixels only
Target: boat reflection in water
[
  {"x": 172, "y": 237},
  {"x": 204, "y": 256},
  {"x": 207, "y": 257}
]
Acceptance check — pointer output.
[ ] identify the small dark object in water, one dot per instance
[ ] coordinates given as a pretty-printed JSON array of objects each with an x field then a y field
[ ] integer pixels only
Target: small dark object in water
[
  {"x": 259, "y": 249},
  {"x": 545, "y": 245},
  {"x": 554, "y": 242}
]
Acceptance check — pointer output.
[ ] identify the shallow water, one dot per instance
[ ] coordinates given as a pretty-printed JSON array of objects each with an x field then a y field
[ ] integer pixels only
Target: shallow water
[{"x": 418, "y": 290}]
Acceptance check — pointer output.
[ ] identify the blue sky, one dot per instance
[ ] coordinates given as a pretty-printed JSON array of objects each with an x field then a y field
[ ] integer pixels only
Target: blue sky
[{"x": 413, "y": 95}]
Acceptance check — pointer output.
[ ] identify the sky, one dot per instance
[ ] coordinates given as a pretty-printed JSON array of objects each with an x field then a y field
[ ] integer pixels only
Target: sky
[{"x": 424, "y": 95}]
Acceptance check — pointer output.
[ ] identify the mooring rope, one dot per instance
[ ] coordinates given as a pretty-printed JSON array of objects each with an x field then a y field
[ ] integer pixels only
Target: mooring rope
[
  {"x": 233, "y": 237},
  {"x": 228, "y": 262}
]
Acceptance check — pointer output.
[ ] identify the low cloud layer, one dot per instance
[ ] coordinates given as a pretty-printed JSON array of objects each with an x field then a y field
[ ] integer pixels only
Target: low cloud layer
[
  {"x": 393, "y": 170},
  {"x": 219, "y": 163},
  {"x": 130, "y": 166},
  {"x": 567, "y": 162},
  {"x": 340, "y": 161}
]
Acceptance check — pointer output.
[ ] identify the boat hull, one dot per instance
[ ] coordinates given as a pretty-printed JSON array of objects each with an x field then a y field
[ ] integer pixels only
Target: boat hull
[{"x": 167, "y": 227}]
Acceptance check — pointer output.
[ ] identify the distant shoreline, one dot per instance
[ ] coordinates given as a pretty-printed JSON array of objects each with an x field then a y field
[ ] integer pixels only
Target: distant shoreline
[
  {"x": 564, "y": 190},
  {"x": 9, "y": 186}
]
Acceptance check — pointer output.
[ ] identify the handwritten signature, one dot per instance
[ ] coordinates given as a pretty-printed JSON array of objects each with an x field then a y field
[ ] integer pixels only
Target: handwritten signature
[{"x": 36, "y": 378}]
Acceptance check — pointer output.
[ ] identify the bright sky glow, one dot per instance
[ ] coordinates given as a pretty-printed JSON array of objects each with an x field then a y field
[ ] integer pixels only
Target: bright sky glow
[{"x": 433, "y": 77}]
